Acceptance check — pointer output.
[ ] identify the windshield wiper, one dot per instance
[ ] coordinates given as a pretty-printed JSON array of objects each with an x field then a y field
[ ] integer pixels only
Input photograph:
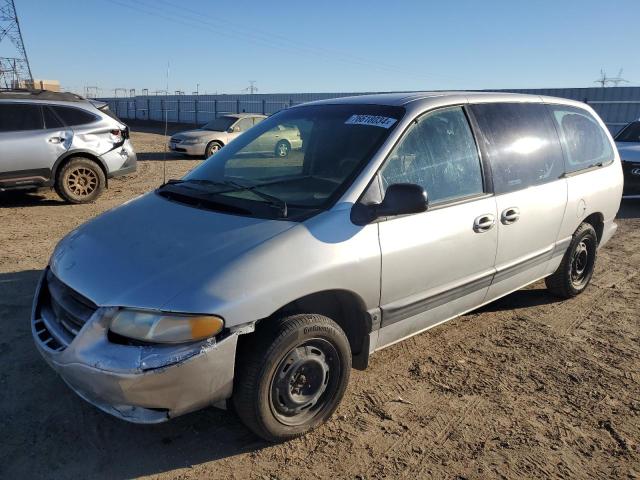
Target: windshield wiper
[
  {"x": 235, "y": 187},
  {"x": 277, "y": 202}
]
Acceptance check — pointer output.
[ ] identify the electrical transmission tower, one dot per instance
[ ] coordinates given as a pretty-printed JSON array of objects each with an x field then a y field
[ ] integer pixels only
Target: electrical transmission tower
[
  {"x": 251, "y": 88},
  {"x": 14, "y": 70},
  {"x": 604, "y": 80}
]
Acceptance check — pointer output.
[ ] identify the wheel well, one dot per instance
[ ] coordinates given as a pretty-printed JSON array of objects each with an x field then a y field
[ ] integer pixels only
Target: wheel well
[
  {"x": 596, "y": 220},
  {"x": 343, "y": 307},
  {"x": 63, "y": 161},
  {"x": 215, "y": 141}
]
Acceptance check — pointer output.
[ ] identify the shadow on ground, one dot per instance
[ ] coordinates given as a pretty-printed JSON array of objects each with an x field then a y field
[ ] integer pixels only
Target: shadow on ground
[
  {"x": 49, "y": 432},
  {"x": 27, "y": 198},
  {"x": 531, "y": 297},
  {"x": 160, "y": 156}
]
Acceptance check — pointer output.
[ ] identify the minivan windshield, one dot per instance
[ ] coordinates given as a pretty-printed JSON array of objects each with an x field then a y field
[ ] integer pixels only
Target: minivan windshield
[
  {"x": 631, "y": 133},
  {"x": 221, "y": 124},
  {"x": 301, "y": 158}
]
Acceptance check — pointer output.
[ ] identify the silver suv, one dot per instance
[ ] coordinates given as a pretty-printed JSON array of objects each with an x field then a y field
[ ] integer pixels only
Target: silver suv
[
  {"x": 265, "y": 279},
  {"x": 61, "y": 140}
]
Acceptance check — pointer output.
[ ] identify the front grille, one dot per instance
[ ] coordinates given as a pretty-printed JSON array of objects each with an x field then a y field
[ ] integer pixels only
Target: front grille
[
  {"x": 61, "y": 313},
  {"x": 176, "y": 140}
]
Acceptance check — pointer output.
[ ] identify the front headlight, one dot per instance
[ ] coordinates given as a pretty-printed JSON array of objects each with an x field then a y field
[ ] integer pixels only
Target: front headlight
[
  {"x": 191, "y": 141},
  {"x": 160, "y": 327}
]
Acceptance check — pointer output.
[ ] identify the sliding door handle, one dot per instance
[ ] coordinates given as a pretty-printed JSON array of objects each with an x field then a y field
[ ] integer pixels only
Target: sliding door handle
[
  {"x": 510, "y": 215},
  {"x": 484, "y": 223}
]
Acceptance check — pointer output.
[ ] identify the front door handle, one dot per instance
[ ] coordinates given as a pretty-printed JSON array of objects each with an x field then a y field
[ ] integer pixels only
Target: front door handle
[
  {"x": 484, "y": 223},
  {"x": 510, "y": 215},
  {"x": 56, "y": 139}
]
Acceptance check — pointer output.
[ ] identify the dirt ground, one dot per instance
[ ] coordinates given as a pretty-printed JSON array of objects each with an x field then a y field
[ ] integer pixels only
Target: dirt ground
[{"x": 527, "y": 387}]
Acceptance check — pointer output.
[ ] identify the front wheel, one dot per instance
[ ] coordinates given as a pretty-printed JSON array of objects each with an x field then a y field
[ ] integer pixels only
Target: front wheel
[
  {"x": 291, "y": 376},
  {"x": 212, "y": 149},
  {"x": 576, "y": 269}
]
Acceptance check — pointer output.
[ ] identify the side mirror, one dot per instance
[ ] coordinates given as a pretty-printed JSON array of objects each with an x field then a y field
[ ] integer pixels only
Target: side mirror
[
  {"x": 230, "y": 130},
  {"x": 400, "y": 199}
]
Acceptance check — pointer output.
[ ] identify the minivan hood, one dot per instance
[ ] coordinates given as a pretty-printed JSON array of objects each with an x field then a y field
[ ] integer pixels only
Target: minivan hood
[
  {"x": 149, "y": 250},
  {"x": 629, "y": 151}
]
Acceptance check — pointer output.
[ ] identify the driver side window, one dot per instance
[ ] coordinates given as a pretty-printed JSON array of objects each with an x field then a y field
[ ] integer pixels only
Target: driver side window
[{"x": 438, "y": 153}]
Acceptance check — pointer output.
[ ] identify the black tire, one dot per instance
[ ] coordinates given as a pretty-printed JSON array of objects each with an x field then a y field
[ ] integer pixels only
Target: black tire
[
  {"x": 282, "y": 149},
  {"x": 576, "y": 269},
  {"x": 80, "y": 180},
  {"x": 291, "y": 376},
  {"x": 212, "y": 148}
]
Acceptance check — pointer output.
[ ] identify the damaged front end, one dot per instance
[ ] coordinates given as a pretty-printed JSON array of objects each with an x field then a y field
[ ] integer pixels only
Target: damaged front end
[{"x": 135, "y": 382}]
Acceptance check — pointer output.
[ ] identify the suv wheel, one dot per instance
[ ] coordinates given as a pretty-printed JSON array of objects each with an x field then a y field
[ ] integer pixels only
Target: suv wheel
[
  {"x": 212, "y": 148},
  {"x": 576, "y": 269},
  {"x": 291, "y": 376},
  {"x": 80, "y": 180}
]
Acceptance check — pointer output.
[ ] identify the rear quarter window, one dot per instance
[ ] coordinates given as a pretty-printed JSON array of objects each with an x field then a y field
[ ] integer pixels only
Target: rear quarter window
[
  {"x": 15, "y": 117},
  {"x": 583, "y": 139},
  {"x": 72, "y": 116},
  {"x": 521, "y": 143}
]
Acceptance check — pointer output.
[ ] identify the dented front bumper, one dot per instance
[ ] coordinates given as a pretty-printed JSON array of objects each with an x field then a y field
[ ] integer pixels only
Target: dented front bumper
[{"x": 141, "y": 384}]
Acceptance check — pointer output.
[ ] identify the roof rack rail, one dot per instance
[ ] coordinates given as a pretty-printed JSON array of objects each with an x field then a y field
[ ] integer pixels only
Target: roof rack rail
[{"x": 33, "y": 94}]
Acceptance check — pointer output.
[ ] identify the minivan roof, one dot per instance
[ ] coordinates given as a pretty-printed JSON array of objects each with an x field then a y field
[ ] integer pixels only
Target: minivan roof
[{"x": 404, "y": 98}]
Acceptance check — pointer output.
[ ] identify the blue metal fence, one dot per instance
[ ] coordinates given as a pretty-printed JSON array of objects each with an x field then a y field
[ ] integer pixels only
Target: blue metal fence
[{"x": 616, "y": 105}]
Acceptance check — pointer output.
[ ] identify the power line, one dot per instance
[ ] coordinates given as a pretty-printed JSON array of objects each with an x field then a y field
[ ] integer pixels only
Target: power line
[
  {"x": 290, "y": 46},
  {"x": 271, "y": 37}
]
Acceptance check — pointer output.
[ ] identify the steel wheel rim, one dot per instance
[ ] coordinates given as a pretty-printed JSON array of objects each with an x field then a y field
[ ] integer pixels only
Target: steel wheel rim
[
  {"x": 213, "y": 149},
  {"x": 306, "y": 377},
  {"x": 580, "y": 263},
  {"x": 82, "y": 181}
]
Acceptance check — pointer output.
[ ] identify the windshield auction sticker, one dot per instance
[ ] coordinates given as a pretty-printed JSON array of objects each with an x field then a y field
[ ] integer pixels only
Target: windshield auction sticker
[{"x": 372, "y": 120}]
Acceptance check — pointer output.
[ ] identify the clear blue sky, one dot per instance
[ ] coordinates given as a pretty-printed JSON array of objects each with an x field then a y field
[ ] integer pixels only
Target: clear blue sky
[{"x": 328, "y": 45}]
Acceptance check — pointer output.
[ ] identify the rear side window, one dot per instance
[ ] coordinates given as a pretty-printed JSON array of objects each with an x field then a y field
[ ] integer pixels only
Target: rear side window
[
  {"x": 50, "y": 119},
  {"x": 522, "y": 144},
  {"x": 438, "y": 153},
  {"x": 583, "y": 139},
  {"x": 74, "y": 116},
  {"x": 16, "y": 117}
]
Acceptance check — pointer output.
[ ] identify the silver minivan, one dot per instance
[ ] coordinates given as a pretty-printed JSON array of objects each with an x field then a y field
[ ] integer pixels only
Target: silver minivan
[
  {"x": 262, "y": 280},
  {"x": 61, "y": 140}
]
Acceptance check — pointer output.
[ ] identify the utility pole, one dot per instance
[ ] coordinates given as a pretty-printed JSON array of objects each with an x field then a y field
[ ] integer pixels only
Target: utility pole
[{"x": 15, "y": 71}]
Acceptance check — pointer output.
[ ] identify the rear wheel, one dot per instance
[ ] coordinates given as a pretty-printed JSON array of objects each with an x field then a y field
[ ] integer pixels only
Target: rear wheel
[
  {"x": 576, "y": 269},
  {"x": 282, "y": 148},
  {"x": 291, "y": 376},
  {"x": 80, "y": 180}
]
